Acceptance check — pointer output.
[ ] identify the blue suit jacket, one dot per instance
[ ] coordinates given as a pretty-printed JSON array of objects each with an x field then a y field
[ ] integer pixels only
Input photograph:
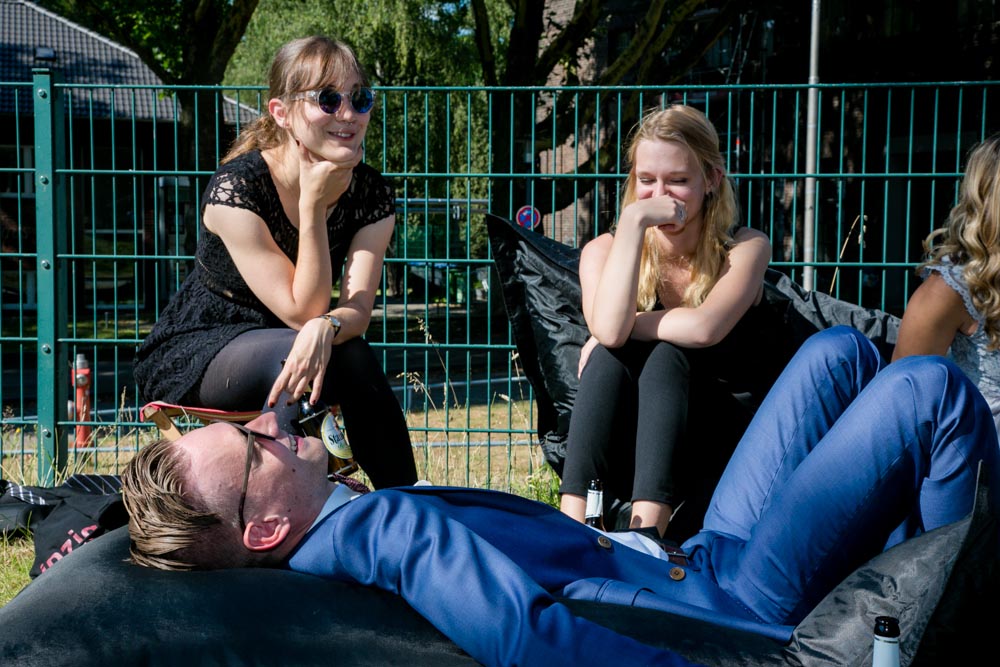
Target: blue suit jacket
[{"x": 483, "y": 567}]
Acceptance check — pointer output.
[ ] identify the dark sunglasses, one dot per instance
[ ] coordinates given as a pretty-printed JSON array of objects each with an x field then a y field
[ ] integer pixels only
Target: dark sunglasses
[{"x": 329, "y": 100}]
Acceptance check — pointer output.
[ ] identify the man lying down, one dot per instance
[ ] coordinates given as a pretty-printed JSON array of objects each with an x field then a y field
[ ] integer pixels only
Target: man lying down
[{"x": 843, "y": 459}]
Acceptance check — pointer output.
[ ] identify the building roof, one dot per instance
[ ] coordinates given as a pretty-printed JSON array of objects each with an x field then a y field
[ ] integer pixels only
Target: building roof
[{"x": 32, "y": 36}]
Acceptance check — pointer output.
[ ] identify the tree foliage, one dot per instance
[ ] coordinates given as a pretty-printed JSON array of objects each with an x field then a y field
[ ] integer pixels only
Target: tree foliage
[
  {"x": 510, "y": 45},
  {"x": 182, "y": 41},
  {"x": 546, "y": 47},
  {"x": 400, "y": 42}
]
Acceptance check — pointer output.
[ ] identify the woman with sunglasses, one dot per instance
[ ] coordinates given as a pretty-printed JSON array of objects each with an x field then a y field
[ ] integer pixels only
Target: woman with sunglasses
[{"x": 291, "y": 207}]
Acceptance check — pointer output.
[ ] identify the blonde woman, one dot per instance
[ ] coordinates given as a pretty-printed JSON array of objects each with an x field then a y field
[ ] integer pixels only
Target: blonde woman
[
  {"x": 291, "y": 210},
  {"x": 654, "y": 417},
  {"x": 957, "y": 307}
]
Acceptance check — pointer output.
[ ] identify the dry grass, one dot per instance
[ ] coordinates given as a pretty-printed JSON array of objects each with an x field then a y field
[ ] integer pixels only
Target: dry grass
[{"x": 17, "y": 553}]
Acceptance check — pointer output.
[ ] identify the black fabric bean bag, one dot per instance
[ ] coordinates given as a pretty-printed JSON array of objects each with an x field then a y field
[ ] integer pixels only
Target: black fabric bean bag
[{"x": 93, "y": 608}]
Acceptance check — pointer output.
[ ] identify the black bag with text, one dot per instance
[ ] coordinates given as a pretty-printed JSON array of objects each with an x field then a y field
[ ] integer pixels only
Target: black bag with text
[{"x": 61, "y": 518}]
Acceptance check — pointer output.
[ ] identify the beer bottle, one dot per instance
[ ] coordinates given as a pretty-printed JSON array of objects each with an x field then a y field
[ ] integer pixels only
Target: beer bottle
[
  {"x": 885, "y": 652},
  {"x": 595, "y": 505},
  {"x": 319, "y": 421}
]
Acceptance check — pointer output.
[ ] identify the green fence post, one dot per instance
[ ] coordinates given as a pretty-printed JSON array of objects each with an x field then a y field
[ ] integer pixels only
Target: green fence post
[{"x": 53, "y": 284}]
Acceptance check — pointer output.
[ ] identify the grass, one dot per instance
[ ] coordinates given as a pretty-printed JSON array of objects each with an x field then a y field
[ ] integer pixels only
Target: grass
[
  {"x": 454, "y": 446},
  {"x": 17, "y": 553}
]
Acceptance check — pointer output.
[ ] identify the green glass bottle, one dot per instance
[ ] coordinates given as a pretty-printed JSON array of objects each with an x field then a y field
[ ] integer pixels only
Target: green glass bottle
[
  {"x": 595, "y": 505},
  {"x": 319, "y": 421}
]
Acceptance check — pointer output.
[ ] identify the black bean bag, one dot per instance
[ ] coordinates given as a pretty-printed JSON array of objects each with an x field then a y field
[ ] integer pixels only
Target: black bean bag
[{"x": 93, "y": 608}]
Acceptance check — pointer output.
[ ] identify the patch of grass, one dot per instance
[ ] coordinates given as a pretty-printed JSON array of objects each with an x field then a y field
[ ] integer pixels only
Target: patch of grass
[{"x": 17, "y": 553}]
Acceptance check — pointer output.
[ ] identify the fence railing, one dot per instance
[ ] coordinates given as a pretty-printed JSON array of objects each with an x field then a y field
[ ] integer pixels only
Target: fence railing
[{"x": 99, "y": 191}]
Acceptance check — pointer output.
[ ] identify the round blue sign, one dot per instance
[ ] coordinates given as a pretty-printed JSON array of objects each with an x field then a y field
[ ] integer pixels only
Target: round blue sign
[{"x": 528, "y": 216}]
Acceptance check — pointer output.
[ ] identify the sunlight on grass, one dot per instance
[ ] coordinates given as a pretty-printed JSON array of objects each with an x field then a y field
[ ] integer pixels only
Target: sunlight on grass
[{"x": 17, "y": 553}]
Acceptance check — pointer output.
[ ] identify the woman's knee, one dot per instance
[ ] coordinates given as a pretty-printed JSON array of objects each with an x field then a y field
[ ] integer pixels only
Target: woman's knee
[
  {"x": 355, "y": 358},
  {"x": 935, "y": 379},
  {"x": 664, "y": 352},
  {"x": 603, "y": 366},
  {"x": 666, "y": 362},
  {"x": 842, "y": 344},
  {"x": 242, "y": 373}
]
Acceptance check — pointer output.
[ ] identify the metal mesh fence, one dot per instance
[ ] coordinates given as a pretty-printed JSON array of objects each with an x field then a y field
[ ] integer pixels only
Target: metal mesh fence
[{"x": 100, "y": 186}]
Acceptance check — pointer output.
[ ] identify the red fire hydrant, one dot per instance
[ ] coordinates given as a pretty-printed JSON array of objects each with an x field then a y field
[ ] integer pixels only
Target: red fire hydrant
[{"x": 81, "y": 380}]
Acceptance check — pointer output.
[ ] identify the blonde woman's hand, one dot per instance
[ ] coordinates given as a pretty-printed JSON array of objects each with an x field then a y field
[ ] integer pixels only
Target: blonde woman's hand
[
  {"x": 305, "y": 365},
  {"x": 585, "y": 351},
  {"x": 664, "y": 211}
]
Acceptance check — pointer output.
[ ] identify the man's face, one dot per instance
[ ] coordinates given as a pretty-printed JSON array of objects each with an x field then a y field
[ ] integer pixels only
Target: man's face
[{"x": 287, "y": 477}]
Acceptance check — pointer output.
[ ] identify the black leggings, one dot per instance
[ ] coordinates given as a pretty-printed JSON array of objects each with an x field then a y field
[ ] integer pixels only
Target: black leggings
[
  {"x": 653, "y": 424},
  {"x": 243, "y": 372}
]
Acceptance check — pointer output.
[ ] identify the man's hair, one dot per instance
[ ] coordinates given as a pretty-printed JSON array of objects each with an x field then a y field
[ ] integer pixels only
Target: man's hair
[{"x": 171, "y": 527}]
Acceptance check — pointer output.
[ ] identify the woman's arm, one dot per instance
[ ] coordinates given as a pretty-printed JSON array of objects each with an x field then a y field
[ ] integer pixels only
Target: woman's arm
[
  {"x": 739, "y": 287},
  {"x": 295, "y": 293},
  {"x": 305, "y": 365},
  {"x": 362, "y": 276},
  {"x": 610, "y": 316},
  {"x": 933, "y": 316},
  {"x": 609, "y": 268}
]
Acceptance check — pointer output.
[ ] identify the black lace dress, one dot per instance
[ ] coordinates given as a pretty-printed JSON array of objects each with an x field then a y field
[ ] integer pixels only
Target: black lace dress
[{"x": 214, "y": 304}]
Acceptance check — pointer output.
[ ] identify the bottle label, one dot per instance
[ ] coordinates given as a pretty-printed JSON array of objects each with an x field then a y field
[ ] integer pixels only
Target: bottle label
[
  {"x": 594, "y": 504},
  {"x": 885, "y": 652},
  {"x": 334, "y": 440}
]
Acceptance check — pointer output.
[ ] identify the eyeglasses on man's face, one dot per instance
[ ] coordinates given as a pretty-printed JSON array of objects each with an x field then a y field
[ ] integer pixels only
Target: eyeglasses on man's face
[
  {"x": 329, "y": 99},
  {"x": 252, "y": 437}
]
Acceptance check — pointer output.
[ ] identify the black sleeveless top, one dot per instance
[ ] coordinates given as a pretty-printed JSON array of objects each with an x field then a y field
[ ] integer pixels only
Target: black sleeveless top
[{"x": 214, "y": 305}]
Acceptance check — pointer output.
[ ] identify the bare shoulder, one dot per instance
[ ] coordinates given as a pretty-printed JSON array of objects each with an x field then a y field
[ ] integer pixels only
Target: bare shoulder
[
  {"x": 747, "y": 234},
  {"x": 231, "y": 222},
  {"x": 597, "y": 247},
  {"x": 751, "y": 240},
  {"x": 751, "y": 244},
  {"x": 594, "y": 256},
  {"x": 600, "y": 241},
  {"x": 932, "y": 316},
  {"x": 934, "y": 290},
  {"x": 939, "y": 300}
]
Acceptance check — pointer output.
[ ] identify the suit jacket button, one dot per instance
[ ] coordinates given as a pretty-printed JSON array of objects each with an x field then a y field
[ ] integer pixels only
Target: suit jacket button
[
  {"x": 604, "y": 542},
  {"x": 677, "y": 573}
]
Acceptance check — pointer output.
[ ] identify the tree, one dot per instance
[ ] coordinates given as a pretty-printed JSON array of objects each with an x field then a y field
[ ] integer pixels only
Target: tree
[
  {"x": 548, "y": 47},
  {"x": 400, "y": 42},
  {"x": 184, "y": 42},
  {"x": 506, "y": 44}
]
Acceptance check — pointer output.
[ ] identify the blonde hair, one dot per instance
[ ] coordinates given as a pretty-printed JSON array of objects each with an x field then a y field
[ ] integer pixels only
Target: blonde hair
[
  {"x": 970, "y": 237},
  {"x": 170, "y": 527},
  {"x": 689, "y": 127},
  {"x": 302, "y": 64}
]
